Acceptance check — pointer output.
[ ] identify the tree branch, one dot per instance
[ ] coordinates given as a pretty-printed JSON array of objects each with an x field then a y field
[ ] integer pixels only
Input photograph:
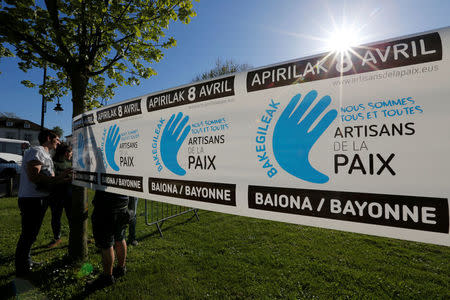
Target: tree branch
[
  {"x": 111, "y": 63},
  {"x": 53, "y": 11},
  {"x": 137, "y": 23},
  {"x": 23, "y": 37},
  {"x": 97, "y": 38},
  {"x": 123, "y": 12},
  {"x": 83, "y": 32}
]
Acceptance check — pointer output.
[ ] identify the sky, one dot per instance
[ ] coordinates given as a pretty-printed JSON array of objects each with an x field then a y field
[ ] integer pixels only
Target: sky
[{"x": 254, "y": 32}]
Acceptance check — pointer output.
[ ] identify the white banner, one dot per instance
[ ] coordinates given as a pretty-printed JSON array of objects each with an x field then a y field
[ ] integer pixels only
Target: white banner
[{"x": 356, "y": 142}]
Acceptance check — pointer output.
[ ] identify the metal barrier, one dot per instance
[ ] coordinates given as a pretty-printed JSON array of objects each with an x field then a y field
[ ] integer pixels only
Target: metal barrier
[{"x": 160, "y": 212}]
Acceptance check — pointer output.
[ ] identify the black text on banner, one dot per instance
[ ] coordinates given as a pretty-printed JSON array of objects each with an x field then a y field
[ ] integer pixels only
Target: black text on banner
[
  {"x": 387, "y": 55},
  {"x": 421, "y": 213},
  {"x": 132, "y": 183},
  {"x": 195, "y": 93},
  {"x": 86, "y": 176},
  {"x": 211, "y": 192},
  {"x": 120, "y": 111},
  {"x": 86, "y": 120}
]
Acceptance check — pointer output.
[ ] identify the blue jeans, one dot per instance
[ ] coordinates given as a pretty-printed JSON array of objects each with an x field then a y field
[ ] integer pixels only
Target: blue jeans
[{"x": 132, "y": 207}]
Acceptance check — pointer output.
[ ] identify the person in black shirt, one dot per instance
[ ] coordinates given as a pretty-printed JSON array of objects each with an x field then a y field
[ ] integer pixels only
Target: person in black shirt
[
  {"x": 132, "y": 207},
  {"x": 109, "y": 221},
  {"x": 61, "y": 196}
]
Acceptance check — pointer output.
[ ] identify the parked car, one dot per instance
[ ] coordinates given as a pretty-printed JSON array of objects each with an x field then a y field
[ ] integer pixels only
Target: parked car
[{"x": 10, "y": 166}]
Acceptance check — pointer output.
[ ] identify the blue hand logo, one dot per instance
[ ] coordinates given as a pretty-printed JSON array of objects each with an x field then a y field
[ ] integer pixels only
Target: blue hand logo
[
  {"x": 80, "y": 150},
  {"x": 112, "y": 140},
  {"x": 171, "y": 140},
  {"x": 293, "y": 139}
]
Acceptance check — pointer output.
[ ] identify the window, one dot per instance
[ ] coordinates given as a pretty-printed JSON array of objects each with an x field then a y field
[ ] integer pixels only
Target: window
[
  {"x": 9, "y": 123},
  {"x": 26, "y": 125}
]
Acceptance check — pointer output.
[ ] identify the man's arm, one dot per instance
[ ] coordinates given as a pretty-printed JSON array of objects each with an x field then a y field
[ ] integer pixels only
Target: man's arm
[{"x": 36, "y": 177}]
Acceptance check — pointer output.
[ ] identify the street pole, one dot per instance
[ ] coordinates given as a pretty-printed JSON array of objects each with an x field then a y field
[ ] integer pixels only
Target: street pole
[{"x": 44, "y": 102}]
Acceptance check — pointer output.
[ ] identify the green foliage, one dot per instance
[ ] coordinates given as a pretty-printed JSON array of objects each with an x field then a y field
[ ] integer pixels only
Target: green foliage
[
  {"x": 58, "y": 130},
  {"x": 86, "y": 42},
  {"x": 5, "y": 52},
  {"x": 222, "y": 68},
  {"x": 231, "y": 257}
]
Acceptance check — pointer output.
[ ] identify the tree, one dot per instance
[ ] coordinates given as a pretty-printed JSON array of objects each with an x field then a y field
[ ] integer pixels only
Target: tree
[
  {"x": 58, "y": 130},
  {"x": 222, "y": 68},
  {"x": 86, "y": 42}
]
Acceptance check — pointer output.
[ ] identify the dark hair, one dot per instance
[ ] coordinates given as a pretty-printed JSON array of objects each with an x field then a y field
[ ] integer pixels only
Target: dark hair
[
  {"x": 44, "y": 134},
  {"x": 61, "y": 151}
]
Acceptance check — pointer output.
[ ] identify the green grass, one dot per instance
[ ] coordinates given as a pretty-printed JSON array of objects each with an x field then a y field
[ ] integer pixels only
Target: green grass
[{"x": 224, "y": 256}]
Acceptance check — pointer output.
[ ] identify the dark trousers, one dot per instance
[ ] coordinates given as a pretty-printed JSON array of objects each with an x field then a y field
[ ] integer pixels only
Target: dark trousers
[
  {"x": 132, "y": 207},
  {"x": 32, "y": 211},
  {"x": 60, "y": 199}
]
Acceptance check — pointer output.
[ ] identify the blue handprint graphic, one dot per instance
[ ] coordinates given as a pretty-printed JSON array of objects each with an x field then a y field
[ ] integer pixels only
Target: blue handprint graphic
[
  {"x": 172, "y": 137},
  {"x": 80, "y": 150},
  {"x": 293, "y": 139},
  {"x": 112, "y": 140}
]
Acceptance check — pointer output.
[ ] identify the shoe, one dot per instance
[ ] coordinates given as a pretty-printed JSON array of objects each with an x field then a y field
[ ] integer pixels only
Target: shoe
[
  {"x": 54, "y": 243},
  {"x": 100, "y": 282},
  {"x": 132, "y": 243},
  {"x": 119, "y": 271}
]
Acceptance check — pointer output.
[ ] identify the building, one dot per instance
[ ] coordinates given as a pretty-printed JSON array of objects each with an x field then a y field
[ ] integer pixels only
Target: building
[{"x": 19, "y": 129}]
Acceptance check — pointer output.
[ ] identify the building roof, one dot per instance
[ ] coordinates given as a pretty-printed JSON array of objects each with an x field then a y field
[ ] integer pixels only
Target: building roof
[{"x": 18, "y": 123}]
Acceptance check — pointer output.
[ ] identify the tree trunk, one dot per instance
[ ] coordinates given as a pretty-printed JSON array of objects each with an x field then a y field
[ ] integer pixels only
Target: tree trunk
[{"x": 78, "y": 226}]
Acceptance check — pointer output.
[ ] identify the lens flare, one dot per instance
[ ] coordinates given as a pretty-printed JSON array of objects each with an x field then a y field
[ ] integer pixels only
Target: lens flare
[{"x": 342, "y": 40}]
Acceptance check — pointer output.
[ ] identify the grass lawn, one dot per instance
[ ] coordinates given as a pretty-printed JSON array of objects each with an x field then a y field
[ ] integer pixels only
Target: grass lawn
[{"x": 224, "y": 256}]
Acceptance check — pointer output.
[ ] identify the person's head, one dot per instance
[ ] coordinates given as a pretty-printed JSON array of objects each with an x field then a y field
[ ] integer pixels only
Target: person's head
[
  {"x": 49, "y": 139},
  {"x": 64, "y": 151}
]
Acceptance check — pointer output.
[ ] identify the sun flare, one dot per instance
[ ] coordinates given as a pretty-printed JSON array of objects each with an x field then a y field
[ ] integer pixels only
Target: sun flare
[{"x": 341, "y": 40}]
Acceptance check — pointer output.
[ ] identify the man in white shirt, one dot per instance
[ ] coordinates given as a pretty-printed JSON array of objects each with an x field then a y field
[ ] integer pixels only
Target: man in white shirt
[{"x": 37, "y": 176}]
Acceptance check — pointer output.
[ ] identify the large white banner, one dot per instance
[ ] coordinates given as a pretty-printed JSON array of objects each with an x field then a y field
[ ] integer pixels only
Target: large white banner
[{"x": 356, "y": 142}]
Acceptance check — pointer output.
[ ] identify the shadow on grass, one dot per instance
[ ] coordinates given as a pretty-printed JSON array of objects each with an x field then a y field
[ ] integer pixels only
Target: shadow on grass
[
  {"x": 44, "y": 249},
  {"x": 5, "y": 260},
  {"x": 48, "y": 278},
  {"x": 60, "y": 273}
]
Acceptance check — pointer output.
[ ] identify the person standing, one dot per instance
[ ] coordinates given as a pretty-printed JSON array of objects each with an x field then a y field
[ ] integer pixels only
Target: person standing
[
  {"x": 109, "y": 222},
  {"x": 61, "y": 196},
  {"x": 37, "y": 177},
  {"x": 132, "y": 207}
]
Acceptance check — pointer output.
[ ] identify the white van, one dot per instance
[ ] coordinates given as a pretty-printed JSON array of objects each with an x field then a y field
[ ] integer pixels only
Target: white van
[{"x": 13, "y": 146}]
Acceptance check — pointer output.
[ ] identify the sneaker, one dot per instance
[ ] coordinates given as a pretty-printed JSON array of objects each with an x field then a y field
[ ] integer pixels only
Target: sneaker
[
  {"x": 132, "y": 243},
  {"x": 100, "y": 282},
  {"x": 119, "y": 271},
  {"x": 54, "y": 243}
]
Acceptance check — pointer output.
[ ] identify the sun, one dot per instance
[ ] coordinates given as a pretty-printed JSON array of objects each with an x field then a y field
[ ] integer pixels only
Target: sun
[{"x": 342, "y": 39}]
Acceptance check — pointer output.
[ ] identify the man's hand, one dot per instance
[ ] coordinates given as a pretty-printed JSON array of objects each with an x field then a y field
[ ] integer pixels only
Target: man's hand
[
  {"x": 293, "y": 139},
  {"x": 65, "y": 176},
  {"x": 172, "y": 137}
]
